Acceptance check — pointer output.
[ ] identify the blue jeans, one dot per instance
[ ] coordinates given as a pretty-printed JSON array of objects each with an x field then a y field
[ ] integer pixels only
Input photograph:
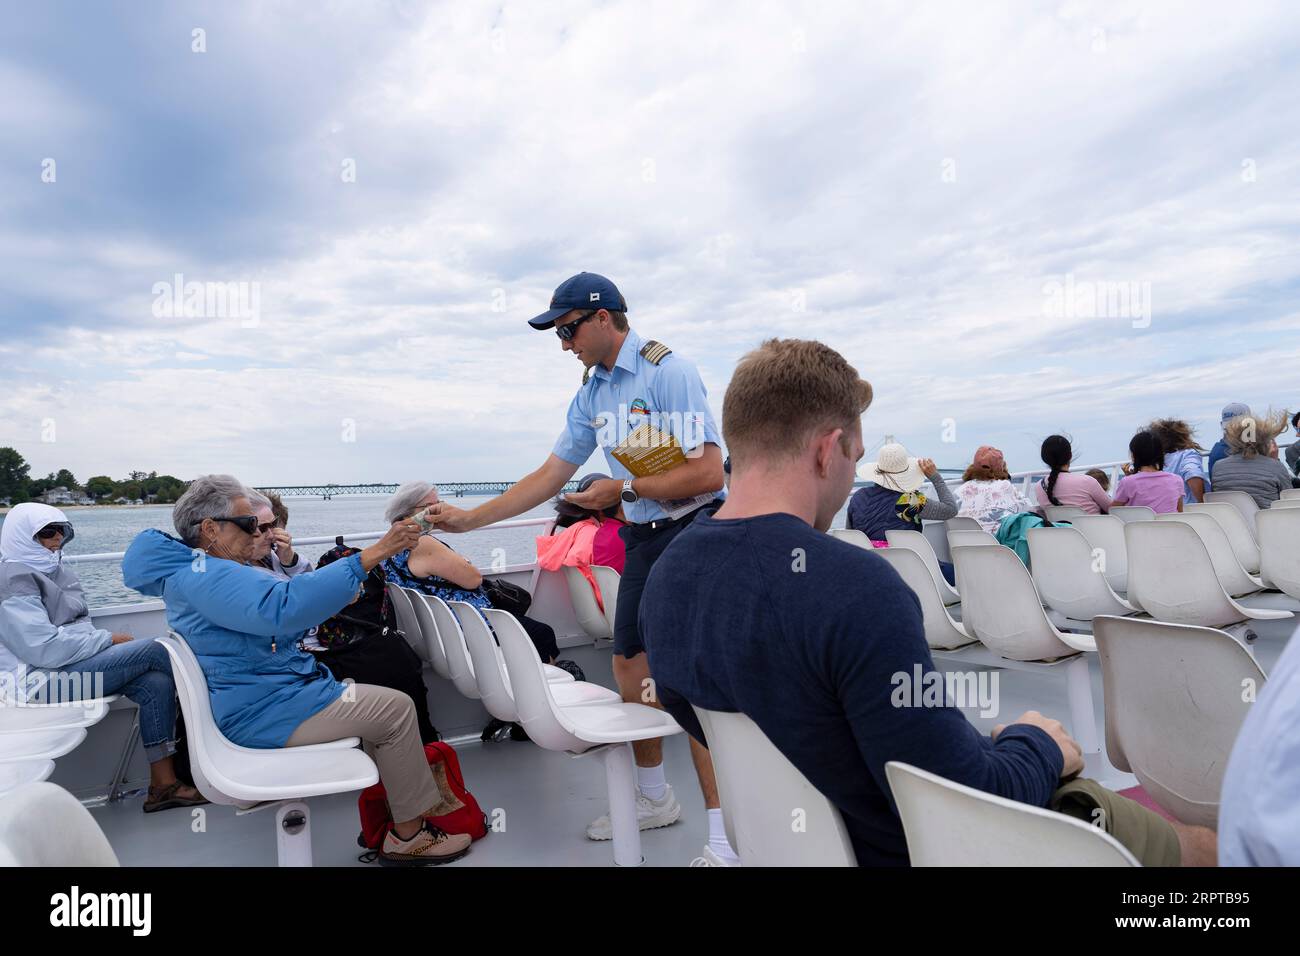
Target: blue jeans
[{"x": 142, "y": 671}]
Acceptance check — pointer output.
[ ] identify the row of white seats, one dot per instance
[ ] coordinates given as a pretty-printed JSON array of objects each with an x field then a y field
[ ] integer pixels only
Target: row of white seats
[
  {"x": 33, "y": 736},
  {"x": 557, "y": 712}
]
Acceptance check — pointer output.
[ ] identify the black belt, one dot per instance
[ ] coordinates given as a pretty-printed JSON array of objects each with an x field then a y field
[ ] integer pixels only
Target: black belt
[{"x": 660, "y": 523}]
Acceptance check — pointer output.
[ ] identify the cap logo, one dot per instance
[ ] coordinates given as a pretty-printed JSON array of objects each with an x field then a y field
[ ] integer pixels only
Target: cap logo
[{"x": 595, "y": 297}]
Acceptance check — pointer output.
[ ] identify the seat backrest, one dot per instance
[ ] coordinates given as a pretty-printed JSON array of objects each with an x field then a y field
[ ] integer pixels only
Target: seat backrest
[
  {"x": 1227, "y": 568},
  {"x": 948, "y": 824},
  {"x": 1061, "y": 512},
  {"x": 1281, "y": 503},
  {"x": 1289, "y": 494},
  {"x": 1279, "y": 548},
  {"x": 533, "y": 702},
  {"x": 41, "y": 824},
  {"x": 775, "y": 817},
  {"x": 940, "y": 630},
  {"x": 460, "y": 669},
  {"x": 489, "y": 671},
  {"x": 205, "y": 739},
  {"x": 608, "y": 579},
  {"x": 917, "y": 542},
  {"x": 590, "y": 617},
  {"x": 1175, "y": 700},
  {"x": 1105, "y": 537},
  {"x": 962, "y": 523},
  {"x": 852, "y": 536},
  {"x": 1171, "y": 576},
  {"x": 1242, "y": 502},
  {"x": 966, "y": 538},
  {"x": 426, "y": 629},
  {"x": 1000, "y": 606},
  {"x": 407, "y": 622},
  {"x": 1132, "y": 512},
  {"x": 1241, "y": 535},
  {"x": 1067, "y": 575}
]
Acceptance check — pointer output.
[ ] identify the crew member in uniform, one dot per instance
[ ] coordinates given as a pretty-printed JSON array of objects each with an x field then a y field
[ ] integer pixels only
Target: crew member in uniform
[{"x": 629, "y": 381}]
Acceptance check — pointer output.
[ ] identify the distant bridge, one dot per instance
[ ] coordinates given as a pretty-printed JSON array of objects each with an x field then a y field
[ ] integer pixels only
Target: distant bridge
[{"x": 450, "y": 489}]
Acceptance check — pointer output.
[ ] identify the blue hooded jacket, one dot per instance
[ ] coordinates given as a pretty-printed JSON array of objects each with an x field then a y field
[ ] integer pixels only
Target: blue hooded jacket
[{"x": 231, "y": 615}]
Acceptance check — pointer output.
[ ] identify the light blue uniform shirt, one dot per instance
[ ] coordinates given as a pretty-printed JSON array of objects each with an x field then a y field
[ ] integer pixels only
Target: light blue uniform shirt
[
  {"x": 1259, "y": 807},
  {"x": 612, "y": 404}
]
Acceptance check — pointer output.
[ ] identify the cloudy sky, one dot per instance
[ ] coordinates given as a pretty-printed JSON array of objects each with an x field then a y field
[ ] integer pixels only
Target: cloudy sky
[{"x": 938, "y": 190}]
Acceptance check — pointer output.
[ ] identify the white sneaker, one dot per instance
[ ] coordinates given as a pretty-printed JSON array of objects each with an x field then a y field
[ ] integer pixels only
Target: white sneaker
[
  {"x": 710, "y": 858},
  {"x": 650, "y": 815}
]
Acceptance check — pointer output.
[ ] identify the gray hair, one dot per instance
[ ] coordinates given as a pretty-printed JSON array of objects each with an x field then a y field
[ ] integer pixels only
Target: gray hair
[
  {"x": 258, "y": 500},
  {"x": 406, "y": 499},
  {"x": 208, "y": 496}
]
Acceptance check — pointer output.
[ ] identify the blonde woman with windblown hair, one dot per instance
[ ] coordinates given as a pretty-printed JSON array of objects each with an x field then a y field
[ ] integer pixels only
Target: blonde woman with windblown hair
[{"x": 1252, "y": 464}]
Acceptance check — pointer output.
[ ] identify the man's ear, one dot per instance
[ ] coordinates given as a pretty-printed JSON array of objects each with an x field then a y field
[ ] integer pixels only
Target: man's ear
[{"x": 828, "y": 446}]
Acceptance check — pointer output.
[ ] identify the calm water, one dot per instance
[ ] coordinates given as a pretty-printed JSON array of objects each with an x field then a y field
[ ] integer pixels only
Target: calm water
[{"x": 112, "y": 529}]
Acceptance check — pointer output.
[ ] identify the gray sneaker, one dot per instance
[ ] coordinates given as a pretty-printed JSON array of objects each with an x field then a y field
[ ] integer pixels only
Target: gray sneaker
[{"x": 650, "y": 815}]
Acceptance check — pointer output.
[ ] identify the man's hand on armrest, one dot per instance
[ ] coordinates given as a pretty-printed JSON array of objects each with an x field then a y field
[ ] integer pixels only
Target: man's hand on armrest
[{"x": 1071, "y": 752}]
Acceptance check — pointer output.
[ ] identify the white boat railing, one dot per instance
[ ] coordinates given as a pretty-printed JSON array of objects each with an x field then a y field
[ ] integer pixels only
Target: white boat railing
[{"x": 350, "y": 538}]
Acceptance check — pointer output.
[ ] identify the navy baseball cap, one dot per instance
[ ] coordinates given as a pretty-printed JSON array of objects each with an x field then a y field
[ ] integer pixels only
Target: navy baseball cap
[{"x": 586, "y": 290}]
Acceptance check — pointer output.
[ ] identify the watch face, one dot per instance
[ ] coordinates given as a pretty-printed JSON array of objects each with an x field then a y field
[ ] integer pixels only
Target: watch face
[{"x": 628, "y": 495}]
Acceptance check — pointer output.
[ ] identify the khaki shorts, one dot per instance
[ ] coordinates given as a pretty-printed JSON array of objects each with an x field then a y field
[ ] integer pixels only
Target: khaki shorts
[{"x": 1147, "y": 835}]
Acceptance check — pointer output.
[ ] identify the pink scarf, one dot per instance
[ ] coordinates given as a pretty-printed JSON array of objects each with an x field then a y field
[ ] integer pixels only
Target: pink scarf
[{"x": 571, "y": 548}]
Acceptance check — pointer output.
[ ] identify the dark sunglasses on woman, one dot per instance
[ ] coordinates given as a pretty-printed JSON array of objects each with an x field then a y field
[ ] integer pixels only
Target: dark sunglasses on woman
[
  {"x": 245, "y": 523},
  {"x": 56, "y": 527}
]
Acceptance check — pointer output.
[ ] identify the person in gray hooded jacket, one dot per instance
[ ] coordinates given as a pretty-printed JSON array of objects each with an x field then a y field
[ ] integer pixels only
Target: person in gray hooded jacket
[{"x": 51, "y": 651}]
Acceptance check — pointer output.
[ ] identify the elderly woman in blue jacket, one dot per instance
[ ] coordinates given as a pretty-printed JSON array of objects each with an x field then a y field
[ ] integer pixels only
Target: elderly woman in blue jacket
[
  {"x": 244, "y": 627},
  {"x": 51, "y": 651}
]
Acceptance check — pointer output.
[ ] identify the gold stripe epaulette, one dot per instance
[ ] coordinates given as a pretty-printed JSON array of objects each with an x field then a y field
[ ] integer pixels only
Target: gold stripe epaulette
[{"x": 655, "y": 352}]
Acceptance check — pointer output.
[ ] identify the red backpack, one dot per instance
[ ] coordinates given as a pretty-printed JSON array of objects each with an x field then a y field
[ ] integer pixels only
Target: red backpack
[{"x": 465, "y": 816}]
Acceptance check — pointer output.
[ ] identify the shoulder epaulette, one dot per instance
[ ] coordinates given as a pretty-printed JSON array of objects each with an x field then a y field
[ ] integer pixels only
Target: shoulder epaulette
[{"x": 655, "y": 352}]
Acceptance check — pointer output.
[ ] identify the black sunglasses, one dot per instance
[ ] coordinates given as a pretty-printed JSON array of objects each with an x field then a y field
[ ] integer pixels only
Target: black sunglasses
[
  {"x": 58, "y": 527},
  {"x": 245, "y": 523},
  {"x": 567, "y": 332}
]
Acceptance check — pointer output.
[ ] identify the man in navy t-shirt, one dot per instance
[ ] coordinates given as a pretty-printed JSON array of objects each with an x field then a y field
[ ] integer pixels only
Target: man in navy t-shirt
[{"x": 753, "y": 608}]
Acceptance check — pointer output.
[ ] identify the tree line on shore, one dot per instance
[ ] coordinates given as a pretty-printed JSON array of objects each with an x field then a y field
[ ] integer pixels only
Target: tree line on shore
[{"x": 17, "y": 485}]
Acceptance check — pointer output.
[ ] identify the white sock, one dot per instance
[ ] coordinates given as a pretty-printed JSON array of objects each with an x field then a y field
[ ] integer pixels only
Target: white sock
[
  {"x": 718, "y": 841},
  {"x": 652, "y": 782}
]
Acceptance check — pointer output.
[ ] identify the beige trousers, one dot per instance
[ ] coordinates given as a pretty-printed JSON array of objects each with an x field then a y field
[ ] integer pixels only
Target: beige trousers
[{"x": 384, "y": 719}]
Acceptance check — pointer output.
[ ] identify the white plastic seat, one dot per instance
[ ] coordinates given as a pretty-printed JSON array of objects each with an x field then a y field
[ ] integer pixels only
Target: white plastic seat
[
  {"x": 1001, "y": 607},
  {"x": 1105, "y": 537},
  {"x": 490, "y": 671},
  {"x": 916, "y": 542},
  {"x": 1174, "y": 705},
  {"x": 852, "y": 536},
  {"x": 1289, "y": 494},
  {"x": 962, "y": 523},
  {"x": 1282, "y": 503},
  {"x": 48, "y": 744},
  {"x": 966, "y": 539},
  {"x": 41, "y": 824},
  {"x": 1234, "y": 578},
  {"x": 1128, "y": 513},
  {"x": 1243, "y": 503},
  {"x": 1063, "y": 572},
  {"x": 1172, "y": 578},
  {"x": 758, "y": 785},
  {"x": 948, "y": 824},
  {"x": 941, "y": 631},
  {"x": 418, "y": 632},
  {"x": 1240, "y": 531},
  {"x": 596, "y": 623},
  {"x": 19, "y": 773},
  {"x": 437, "y": 618},
  {"x": 248, "y": 778},
  {"x": 581, "y": 729},
  {"x": 1055, "y": 513},
  {"x": 1279, "y": 548},
  {"x": 20, "y": 718}
]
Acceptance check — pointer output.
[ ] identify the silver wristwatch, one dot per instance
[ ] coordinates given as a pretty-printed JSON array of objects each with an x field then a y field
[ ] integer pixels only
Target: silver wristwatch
[{"x": 629, "y": 494}]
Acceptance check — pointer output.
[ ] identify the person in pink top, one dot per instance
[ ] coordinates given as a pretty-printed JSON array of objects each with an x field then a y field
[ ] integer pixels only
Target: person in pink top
[
  {"x": 1062, "y": 488},
  {"x": 582, "y": 538},
  {"x": 1146, "y": 482}
]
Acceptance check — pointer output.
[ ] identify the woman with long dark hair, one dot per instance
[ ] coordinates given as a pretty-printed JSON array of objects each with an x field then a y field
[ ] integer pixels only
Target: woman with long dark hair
[
  {"x": 1060, "y": 487},
  {"x": 1147, "y": 484}
]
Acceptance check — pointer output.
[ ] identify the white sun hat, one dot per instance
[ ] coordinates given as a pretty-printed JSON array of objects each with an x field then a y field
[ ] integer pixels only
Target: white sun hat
[{"x": 894, "y": 469}]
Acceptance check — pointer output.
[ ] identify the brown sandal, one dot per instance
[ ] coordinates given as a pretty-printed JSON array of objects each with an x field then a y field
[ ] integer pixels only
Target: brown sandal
[{"x": 168, "y": 797}]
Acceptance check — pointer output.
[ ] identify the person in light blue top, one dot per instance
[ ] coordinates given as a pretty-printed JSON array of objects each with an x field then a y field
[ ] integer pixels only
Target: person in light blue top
[
  {"x": 1259, "y": 807},
  {"x": 629, "y": 382},
  {"x": 1183, "y": 457}
]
